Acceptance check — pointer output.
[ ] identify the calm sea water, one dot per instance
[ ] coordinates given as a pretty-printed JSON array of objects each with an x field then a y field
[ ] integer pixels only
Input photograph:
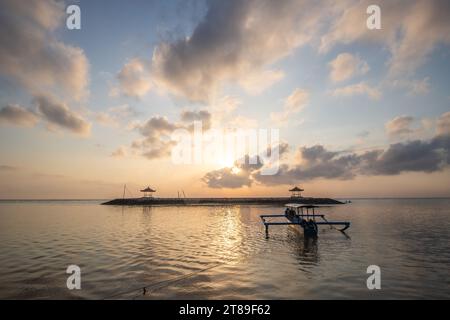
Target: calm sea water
[{"x": 215, "y": 252}]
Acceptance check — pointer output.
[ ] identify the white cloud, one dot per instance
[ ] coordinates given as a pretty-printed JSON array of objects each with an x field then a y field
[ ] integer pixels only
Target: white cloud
[
  {"x": 400, "y": 126},
  {"x": 361, "y": 88},
  {"x": 293, "y": 104},
  {"x": 115, "y": 115},
  {"x": 414, "y": 86},
  {"x": 133, "y": 79},
  {"x": 346, "y": 66},
  {"x": 443, "y": 124},
  {"x": 256, "y": 83},
  {"x": 411, "y": 30}
]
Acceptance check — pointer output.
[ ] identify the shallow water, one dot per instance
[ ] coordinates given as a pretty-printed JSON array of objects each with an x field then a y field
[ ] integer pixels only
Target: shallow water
[{"x": 214, "y": 252}]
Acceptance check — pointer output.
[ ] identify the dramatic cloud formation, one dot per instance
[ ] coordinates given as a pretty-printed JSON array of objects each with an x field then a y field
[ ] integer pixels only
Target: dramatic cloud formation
[
  {"x": 292, "y": 104},
  {"x": 31, "y": 56},
  {"x": 236, "y": 42},
  {"x": 134, "y": 79},
  {"x": 17, "y": 115},
  {"x": 57, "y": 114},
  {"x": 361, "y": 88},
  {"x": 317, "y": 162},
  {"x": 346, "y": 66},
  {"x": 400, "y": 126}
]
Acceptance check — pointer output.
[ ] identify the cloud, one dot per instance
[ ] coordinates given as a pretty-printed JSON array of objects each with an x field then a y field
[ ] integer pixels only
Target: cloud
[
  {"x": 414, "y": 86},
  {"x": 240, "y": 174},
  {"x": 410, "y": 30},
  {"x": 119, "y": 152},
  {"x": 236, "y": 41},
  {"x": 7, "y": 168},
  {"x": 256, "y": 83},
  {"x": 134, "y": 79},
  {"x": 317, "y": 162},
  {"x": 234, "y": 177},
  {"x": 361, "y": 88},
  {"x": 114, "y": 115},
  {"x": 202, "y": 115},
  {"x": 156, "y": 141},
  {"x": 52, "y": 111},
  {"x": 400, "y": 126},
  {"x": 227, "y": 178},
  {"x": 443, "y": 124},
  {"x": 30, "y": 54},
  {"x": 414, "y": 156},
  {"x": 17, "y": 115},
  {"x": 363, "y": 134},
  {"x": 346, "y": 66},
  {"x": 294, "y": 103},
  {"x": 57, "y": 114}
]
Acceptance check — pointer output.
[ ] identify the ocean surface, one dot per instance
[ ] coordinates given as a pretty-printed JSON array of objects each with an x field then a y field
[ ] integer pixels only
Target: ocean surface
[{"x": 221, "y": 252}]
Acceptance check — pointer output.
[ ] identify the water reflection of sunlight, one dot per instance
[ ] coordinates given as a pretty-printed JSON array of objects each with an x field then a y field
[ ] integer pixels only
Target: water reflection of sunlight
[{"x": 229, "y": 238}]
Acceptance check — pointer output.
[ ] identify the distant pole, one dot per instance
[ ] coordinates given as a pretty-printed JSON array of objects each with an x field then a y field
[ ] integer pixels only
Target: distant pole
[
  {"x": 178, "y": 194},
  {"x": 124, "y": 187},
  {"x": 184, "y": 194}
]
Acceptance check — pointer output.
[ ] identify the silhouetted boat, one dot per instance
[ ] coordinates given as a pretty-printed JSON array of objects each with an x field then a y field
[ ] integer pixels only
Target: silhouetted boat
[{"x": 304, "y": 216}]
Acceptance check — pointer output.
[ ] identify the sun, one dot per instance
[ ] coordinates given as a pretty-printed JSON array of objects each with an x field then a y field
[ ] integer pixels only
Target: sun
[
  {"x": 235, "y": 170},
  {"x": 227, "y": 162}
]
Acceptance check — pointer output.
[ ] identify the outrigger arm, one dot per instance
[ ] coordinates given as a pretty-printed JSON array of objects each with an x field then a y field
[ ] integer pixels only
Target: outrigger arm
[{"x": 296, "y": 216}]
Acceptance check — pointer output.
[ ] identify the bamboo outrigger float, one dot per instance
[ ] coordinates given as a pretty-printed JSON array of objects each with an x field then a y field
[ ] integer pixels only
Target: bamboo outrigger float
[{"x": 303, "y": 216}]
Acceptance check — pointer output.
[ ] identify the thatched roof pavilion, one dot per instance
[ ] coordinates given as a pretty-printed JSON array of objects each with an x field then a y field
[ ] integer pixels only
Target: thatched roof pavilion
[
  {"x": 148, "y": 192},
  {"x": 296, "y": 192}
]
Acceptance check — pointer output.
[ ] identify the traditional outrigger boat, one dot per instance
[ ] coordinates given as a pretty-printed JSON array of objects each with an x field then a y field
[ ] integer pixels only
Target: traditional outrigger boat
[{"x": 304, "y": 216}]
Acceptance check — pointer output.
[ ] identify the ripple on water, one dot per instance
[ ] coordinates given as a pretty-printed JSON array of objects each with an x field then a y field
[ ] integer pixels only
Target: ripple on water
[{"x": 172, "y": 249}]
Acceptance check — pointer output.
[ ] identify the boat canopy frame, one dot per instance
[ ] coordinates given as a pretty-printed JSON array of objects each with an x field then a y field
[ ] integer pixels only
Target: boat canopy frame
[{"x": 300, "y": 216}]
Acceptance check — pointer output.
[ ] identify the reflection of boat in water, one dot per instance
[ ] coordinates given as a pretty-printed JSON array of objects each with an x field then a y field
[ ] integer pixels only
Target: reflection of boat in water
[{"x": 304, "y": 216}]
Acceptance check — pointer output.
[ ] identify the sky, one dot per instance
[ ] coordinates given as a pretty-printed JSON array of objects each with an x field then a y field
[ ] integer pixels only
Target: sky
[{"x": 359, "y": 112}]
